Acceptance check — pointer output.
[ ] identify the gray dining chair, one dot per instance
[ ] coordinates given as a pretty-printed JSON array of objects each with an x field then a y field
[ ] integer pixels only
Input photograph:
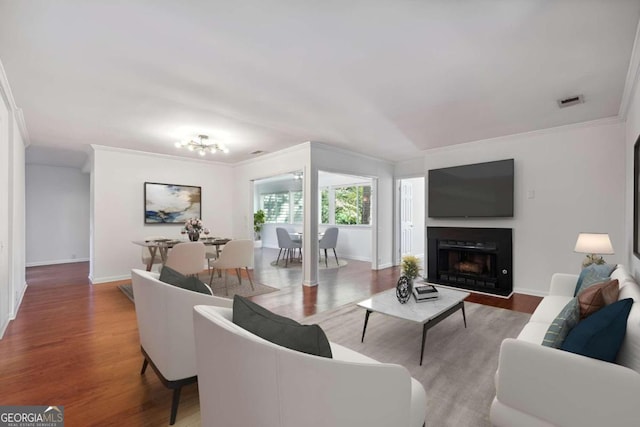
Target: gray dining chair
[
  {"x": 329, "y": 241},
  {"x": 286, "y": 244}
]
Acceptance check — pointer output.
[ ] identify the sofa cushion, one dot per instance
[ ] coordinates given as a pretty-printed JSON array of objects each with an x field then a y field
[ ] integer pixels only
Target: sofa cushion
[
  {"x": 629, "y": 354},
  {"x": 533, "y": 332},
  {"x": 600, "y": 335},
  {"x": 566, "y": 320},
  {"x": 191, "y": 283},
  {"x": 595, "y": 273},
  {"x": 549, "y": 308},
  {"x": 597, "y": 296},
  {"x": 280, "y": 330}
]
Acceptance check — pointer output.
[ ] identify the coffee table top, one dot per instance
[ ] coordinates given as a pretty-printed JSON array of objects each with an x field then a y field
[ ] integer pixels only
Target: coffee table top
[{"x": 420, "y": 312}]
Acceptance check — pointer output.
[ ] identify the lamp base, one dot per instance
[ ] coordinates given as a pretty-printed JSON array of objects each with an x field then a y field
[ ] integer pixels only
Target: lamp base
[{"x": 592, "y": 259}]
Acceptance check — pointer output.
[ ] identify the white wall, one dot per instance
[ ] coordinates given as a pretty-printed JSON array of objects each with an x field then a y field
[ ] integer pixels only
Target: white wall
[
  {"x": 5, "y": 204},
  {"x": 117, "y": 210},
  {"x": 632, "y": 130},
  {"x": 12, "y": 222},
  {"x": 578, "y": 176},
  {"x": 57, "y": 201}
]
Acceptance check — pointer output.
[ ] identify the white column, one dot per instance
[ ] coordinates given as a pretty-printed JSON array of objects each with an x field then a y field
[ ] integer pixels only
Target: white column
[{"x": 310, "y": 236}]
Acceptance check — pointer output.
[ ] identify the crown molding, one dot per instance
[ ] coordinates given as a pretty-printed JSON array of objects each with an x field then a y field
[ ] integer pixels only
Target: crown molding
[
  {"x": 335, "y": 149},
  {"x": 274, "y": 154},
  {"x": 632, "y": 77},
  {"x": 608, "y": 121},
  {"x": 5, "y": 91},
  {"x": 97, "y": 147}
]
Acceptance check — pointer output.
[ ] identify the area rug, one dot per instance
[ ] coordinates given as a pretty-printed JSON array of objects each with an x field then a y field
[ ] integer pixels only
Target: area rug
[
  {"x": 297, "y": 263},
  {"x": 218, "y": 287},
  {"x": 459, "y": 364}
]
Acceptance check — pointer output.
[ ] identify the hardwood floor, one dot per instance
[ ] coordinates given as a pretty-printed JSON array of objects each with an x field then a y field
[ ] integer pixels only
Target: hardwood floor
[{"x": 76, "y": 345}]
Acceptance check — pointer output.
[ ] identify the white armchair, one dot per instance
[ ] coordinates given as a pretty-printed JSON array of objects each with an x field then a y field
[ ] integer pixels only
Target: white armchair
[
  {"x": 244, "y": 380},
  {"x": 165, "y": 326}
]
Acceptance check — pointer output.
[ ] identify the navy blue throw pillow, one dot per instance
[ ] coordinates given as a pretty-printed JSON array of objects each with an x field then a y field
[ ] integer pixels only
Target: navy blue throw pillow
[{"x": 600, "y": 335}]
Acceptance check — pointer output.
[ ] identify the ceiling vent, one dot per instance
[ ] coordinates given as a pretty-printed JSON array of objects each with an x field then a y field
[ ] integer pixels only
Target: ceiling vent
[
  {"x": 572, "y": 100},
  {"x": 255, "y": 153}
]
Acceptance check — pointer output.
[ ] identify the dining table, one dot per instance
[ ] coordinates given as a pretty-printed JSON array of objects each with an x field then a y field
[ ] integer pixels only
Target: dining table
[{"x": 160, "y": 247}]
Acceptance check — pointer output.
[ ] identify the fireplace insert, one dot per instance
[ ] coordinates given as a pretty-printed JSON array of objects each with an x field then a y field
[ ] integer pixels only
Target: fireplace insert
[{"x": 477, "y": 259}]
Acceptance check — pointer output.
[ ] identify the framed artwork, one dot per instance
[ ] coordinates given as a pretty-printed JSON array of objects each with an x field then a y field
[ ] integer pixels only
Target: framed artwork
[
  {"x": 636, "y": 197},
  {"x": 171, "y": 203}
]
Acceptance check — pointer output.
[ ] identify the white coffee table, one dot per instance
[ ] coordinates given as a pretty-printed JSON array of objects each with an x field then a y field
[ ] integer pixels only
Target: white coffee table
[{"x": 428, "y": 313}]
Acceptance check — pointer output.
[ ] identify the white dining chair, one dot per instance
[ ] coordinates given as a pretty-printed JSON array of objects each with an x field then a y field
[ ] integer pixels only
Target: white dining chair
[
  {"x": 187, "y": 258},
  {"x": 237, "y": 254},
  {"x": 329, "y": 241},
  {"x": 286, "y": 244}
]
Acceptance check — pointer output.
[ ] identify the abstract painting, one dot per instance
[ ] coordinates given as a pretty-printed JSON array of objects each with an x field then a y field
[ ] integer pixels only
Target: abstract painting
[{"x": 170, "y": 203}]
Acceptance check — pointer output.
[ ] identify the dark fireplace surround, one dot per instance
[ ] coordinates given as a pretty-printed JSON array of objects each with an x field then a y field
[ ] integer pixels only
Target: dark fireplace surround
[{"x": 476, "y": 259}]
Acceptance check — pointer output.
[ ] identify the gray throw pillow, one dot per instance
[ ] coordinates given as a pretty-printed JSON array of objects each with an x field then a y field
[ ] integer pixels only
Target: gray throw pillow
[
  {"x": 280, "y": 330},
  {"x": 190, "y": 283},
  {"x": 566, "y": 320},
  {"x": 595, "y": 273}
]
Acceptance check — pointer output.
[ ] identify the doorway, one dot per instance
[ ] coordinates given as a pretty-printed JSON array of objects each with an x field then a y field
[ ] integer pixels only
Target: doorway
[{"x": 411, "y": 224}]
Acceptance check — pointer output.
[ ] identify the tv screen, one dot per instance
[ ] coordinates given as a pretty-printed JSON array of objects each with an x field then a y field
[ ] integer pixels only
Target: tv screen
[{"x": 478, "y": 190}]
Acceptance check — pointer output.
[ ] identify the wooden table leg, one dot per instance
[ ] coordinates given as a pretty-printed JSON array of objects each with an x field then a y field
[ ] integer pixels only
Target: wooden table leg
[{"x": 152, "y": 252}]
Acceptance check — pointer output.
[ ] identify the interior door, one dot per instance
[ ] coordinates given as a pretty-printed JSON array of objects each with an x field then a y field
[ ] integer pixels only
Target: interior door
[{"x": 406, "y": 218}]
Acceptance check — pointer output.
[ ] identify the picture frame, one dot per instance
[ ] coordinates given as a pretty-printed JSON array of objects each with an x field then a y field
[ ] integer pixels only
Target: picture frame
[
  {"x": 636, "y": 198},
  {"x": 171, "y": 203}
]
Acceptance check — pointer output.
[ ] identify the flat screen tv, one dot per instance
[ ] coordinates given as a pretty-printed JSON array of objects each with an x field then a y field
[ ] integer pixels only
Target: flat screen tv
[{"x": 478, "y": 190}]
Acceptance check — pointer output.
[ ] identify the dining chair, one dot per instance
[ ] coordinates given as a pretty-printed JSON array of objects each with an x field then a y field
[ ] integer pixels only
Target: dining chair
[
  {"x": 287, "y": 244},
  {"x": 329, "y": 241},
  {"x": 187, "y": 258},
  {"x": 146, "y": 254},
  {"x": 237, "y": 254}
]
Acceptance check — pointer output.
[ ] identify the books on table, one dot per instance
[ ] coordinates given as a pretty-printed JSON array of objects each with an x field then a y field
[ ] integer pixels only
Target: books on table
[{"x": 425, "y": 293}]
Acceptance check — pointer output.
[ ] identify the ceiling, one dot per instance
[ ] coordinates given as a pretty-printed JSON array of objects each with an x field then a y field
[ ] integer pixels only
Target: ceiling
[{"x": 386, "y": 78}]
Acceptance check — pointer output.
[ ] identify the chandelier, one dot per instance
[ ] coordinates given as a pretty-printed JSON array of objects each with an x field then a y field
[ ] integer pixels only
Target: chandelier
[{"x": 201, "y": 146}]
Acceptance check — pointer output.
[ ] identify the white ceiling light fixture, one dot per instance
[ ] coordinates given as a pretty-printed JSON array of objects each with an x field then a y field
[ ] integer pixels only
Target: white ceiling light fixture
[{"x": 201, "y": 146}]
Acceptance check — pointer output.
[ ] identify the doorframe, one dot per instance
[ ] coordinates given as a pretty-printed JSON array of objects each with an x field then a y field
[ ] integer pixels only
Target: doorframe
[{"x": 397, "y": 219}]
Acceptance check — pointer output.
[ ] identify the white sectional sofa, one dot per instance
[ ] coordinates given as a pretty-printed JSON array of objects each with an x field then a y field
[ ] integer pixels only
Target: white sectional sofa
[
  {"x": 244, "y": 380},
  {"x": 544, "y": 386}
]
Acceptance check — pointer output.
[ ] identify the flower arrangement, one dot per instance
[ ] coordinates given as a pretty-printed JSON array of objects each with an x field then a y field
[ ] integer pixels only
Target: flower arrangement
[
  {"x": 193, "y": 225},
  {"x": 410, "y": 266}
]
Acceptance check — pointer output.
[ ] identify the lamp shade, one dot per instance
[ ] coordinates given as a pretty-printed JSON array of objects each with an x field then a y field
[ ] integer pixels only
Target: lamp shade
[{"x": 593, "y": 243}]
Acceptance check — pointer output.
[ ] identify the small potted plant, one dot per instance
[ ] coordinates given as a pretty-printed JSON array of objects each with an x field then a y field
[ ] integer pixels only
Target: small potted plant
[
  {"x": 410, "y": 267},
  {"x": 258, "y": 221}
]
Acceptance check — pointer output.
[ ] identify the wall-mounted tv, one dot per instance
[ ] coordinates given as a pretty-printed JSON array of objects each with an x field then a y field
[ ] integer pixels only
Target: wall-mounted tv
[{"x": 478, "y": 190}]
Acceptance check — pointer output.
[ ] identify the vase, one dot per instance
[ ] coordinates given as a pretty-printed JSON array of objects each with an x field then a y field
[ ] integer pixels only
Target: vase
[{"x": 194, "y": 236}]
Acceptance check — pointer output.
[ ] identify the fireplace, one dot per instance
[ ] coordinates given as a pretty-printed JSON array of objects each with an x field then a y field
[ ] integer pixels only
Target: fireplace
[{"x": 477, "y": 259}]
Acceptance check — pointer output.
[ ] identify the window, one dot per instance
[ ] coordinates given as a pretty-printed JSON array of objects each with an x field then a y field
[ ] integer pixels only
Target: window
[
  {"x": 297, "y": 204},
  {"x": 346, "y": 205},
  {"x": 286, "y": 207},
  {"x": 275, "y": 207}
]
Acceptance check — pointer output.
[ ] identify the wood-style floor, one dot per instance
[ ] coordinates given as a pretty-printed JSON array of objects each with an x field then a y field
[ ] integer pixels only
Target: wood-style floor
[{"x": 76, "y": 345}]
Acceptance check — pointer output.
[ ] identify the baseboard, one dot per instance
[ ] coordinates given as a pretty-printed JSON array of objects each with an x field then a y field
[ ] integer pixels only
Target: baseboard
[
  {"x": 385, "y": 265},
  {"x": 59, "y": 261},
  {"x": 533, "y": 292},
  {"x": 108, "y": 279},
  {"x": 19, "y": 302},
  {"x": 3, "y": 328}
]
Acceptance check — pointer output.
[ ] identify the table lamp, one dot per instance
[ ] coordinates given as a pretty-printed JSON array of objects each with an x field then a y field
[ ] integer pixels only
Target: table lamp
[{"x": 593, "y": 244}]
